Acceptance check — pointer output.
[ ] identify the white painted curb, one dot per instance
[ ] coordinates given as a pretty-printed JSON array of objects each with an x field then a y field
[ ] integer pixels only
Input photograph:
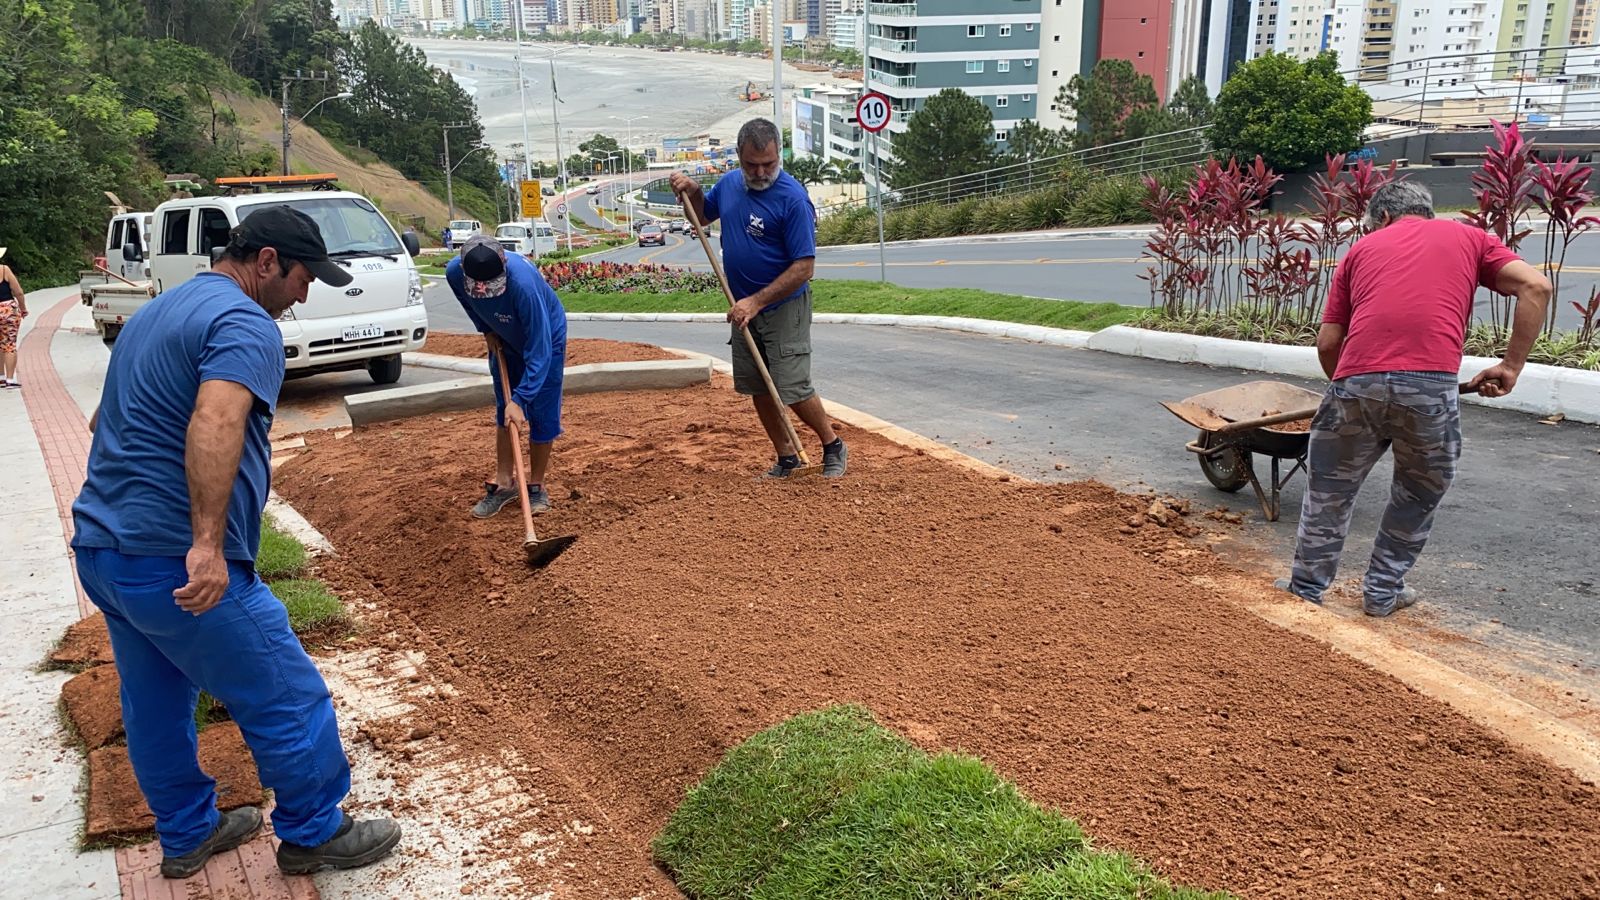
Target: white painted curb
[
  {"x": 1542, "y": 390},
  {"x": 288, "y": 520}
]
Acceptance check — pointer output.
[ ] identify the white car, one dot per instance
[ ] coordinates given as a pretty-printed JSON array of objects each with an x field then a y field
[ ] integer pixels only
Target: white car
[
  {"x": 366, "y": 324},
  {"x": 592, "y": 189},
  {"x": 533, "y": 239}
]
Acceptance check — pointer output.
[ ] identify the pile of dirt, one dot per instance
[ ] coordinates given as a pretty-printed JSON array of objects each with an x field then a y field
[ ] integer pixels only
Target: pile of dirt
[
  {"x": 580, "y": 351},
  {"x": 1015, "y": 621},
  {"x": 87, "y": 643},
  {"x": 116, "y": 807},
  {"x": 94, "y": 704}
]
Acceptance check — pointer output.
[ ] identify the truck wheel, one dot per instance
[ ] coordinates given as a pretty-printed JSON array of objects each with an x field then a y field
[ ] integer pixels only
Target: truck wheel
[{"x": 384, "y": 369}]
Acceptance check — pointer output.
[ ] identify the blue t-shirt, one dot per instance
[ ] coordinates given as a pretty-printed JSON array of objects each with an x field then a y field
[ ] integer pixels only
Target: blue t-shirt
[
  {"x": 763, "y": 232},
  {"x": 136, "y": 498},
  {"x": 528, "y": 318}
]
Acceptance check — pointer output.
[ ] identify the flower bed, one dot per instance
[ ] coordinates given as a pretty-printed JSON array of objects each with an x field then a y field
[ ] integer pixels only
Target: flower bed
[{"x": 625, "y": 278}]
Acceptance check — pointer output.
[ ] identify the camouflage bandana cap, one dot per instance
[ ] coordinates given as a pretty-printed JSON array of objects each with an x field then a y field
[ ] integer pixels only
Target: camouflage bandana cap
[{"x": 483, "y": 268}]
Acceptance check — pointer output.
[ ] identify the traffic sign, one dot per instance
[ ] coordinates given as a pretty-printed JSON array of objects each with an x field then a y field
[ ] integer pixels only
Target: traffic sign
[
  {"x": 532, "y": 200},
  {"x": 873, "y": 111},
  {"x": 562, "y": 209}
]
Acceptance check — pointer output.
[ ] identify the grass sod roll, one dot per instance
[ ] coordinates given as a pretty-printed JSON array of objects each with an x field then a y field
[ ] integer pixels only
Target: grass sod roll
[{"x": 832, "y": 804}]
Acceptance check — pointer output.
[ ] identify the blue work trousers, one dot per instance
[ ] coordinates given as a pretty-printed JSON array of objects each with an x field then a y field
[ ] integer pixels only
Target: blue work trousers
[{"x": 241, "y": 652}]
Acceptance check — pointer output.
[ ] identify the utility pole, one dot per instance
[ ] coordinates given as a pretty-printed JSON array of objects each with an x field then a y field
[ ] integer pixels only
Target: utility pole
[
  {"x": 522, "y": 90},
  {"x": 777, "y": 73},
  {"x": 449, "y": 183},
  {"x": 287, "y": 80},
  {"x": 555, "y": 116}
]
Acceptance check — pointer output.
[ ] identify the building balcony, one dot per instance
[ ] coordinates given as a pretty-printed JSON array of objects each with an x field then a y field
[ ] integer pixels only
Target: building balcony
[
  {"x": 892, "y": 45},
  {"x": 893, "y": 9},
  {"x": 903, "y": 81}
]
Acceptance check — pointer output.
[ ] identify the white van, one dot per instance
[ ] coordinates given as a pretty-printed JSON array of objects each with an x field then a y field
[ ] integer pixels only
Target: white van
[
  {"x": 366, "y": 324},
  {"x": 461, "y": 229},
  {"x": 535, "y": 238}
]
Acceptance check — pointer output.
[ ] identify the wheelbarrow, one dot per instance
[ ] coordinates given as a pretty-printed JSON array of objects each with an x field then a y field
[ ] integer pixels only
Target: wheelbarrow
[{"x": 1238, "y": 423}]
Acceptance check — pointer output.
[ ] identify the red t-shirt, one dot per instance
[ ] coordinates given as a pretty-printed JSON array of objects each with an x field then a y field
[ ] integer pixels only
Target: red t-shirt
[{"x": 1404, "y": 295}]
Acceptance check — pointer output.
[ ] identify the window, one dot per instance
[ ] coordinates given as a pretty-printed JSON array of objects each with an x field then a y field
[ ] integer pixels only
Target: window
[
  {"x": 213, "y": 230},
  {"x": 1027, "y": 64},
  {"x": 1027, "y": 98},
  {"x": 974, "y": 66},
  {"x": 117, "y": 239},
  {"x": 175, "y": 232},
  {"x": 1005, "y": 31},
  {"x": 1028, "y": 26},
  {"x": 1003, "y": 65},
  {"x": 1000, "y": 136},
  {"x": 975, "y": 30},
  {"x": 1002, "y": 101}
]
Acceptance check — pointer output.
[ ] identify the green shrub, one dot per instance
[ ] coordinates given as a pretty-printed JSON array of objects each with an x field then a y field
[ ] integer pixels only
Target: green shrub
[{"x": 1109, "y": 201}]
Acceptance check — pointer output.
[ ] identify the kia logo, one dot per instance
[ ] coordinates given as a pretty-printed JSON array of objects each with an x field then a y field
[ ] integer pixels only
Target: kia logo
[{"x": 354, "y": 292}]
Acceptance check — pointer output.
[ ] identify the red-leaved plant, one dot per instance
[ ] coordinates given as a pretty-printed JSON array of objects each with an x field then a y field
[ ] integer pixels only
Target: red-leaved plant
[
  {"x": 1504, "y": 187},
  {"x": 1562, "y": 195}
]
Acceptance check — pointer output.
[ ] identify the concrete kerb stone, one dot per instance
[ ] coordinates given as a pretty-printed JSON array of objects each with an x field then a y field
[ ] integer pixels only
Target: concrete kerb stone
[
  {"x": 478, "y": 390},
  {"x": 288, "y": 520}
]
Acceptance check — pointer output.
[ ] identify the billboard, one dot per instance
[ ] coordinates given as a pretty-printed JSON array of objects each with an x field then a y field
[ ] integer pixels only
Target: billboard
[{"x": 810, "y": 127}]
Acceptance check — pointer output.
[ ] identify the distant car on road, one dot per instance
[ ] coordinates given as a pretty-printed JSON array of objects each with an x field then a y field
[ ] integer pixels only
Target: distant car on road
[
  {"x": 652, "y": 234},
  {"x": 592, "y": 189},
  {"x": 548, "y": 191},
  {"x": 640, "y": 223}
]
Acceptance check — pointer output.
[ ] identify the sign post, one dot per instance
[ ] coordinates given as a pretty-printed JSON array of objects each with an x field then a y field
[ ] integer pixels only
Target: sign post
[
  {"x": 532, "y": 200},
  {"x": 873, "y": 112}
]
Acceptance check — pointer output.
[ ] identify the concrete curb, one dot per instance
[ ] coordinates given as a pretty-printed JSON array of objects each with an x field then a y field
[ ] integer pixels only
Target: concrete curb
[
  {"x": 288, "y": 520},
  {"x": 1015, "y": 237},
  {"x": 477, "y": 391},
  {"x": 1542, "y": 391}
]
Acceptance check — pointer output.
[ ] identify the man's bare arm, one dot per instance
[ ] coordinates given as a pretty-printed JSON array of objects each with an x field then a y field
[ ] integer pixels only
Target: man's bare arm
[
  {"x": 1532, "y": 290},
  {"x": 214, "y": 443},
  {"x": 1330, "y": 345},
  {"x": 798, "y": 273}
]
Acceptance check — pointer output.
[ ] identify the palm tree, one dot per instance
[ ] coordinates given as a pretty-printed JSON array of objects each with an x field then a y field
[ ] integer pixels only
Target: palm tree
[{"x": 841, "y": 172}]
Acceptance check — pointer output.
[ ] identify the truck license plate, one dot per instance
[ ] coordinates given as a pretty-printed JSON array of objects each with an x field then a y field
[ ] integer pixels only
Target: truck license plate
[{"x": 362, "y": 332}]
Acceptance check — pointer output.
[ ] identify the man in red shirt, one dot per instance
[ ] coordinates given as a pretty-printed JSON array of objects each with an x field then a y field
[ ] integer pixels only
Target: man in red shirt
[{"x": 1391, "y": 342}]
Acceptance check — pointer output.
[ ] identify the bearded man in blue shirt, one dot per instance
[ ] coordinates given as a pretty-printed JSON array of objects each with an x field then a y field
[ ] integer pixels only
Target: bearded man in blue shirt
[
  {"x": 166, "y": 531},
  {"x": 769, "y": 252}
]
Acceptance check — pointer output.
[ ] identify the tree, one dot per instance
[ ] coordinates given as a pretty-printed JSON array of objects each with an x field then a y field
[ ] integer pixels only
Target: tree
[
  {"x": 951, "y": 135},
  {"x": 807, "y": 169},
  {"x": 1103, "y": 103},
  {"x": 1288, "y": 112},
  {"x": 1030, "y": 141},
  {"x": 1190, "y": 105}
]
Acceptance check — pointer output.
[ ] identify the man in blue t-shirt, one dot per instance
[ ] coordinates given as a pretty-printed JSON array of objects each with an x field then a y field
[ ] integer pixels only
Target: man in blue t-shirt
[
  {"x": 521, "y": 318},
  {"x": 166, "y": 531},
  {"x": 769, "y": 252}
]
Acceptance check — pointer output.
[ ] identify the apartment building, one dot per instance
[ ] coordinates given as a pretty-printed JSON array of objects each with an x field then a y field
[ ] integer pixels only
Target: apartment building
[
  {"x": 1527, "y": 25},
  {"x": 1210, "y": 39},
  {"x": 986, "y": 48},
  {"x": 1069, "y": 44}
]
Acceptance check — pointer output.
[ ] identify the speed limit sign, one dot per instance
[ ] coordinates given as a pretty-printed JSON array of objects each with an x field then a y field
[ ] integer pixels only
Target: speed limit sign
[{"x": 873, "y": 111}]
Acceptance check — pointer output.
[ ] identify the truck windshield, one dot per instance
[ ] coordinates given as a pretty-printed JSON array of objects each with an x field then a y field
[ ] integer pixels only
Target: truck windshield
[
  {"x": 515, "y": 232},
  {"x": 349, "y": 226}
]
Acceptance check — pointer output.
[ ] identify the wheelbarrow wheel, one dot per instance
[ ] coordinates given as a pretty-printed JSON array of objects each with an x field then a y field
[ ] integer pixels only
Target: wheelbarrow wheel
[{"x": 1228, "y": 469}]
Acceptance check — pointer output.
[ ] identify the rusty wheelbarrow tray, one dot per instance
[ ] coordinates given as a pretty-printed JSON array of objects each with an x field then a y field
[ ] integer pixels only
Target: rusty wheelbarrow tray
[{"x": 1239, "y": 422}]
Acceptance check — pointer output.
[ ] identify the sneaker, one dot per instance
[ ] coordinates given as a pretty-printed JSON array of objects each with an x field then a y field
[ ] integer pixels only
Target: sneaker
[
  {"x": 783, "y": 468},
  {"x": 1282, "y": 584},
  {"x": 538, "y": 500},
  {"x": 494, "y": 500},
  {"x": 233, "y": 828},
  {"x": 834, "y": 459},
  {"x": 354, "y": 845},
  {"x": 1406, "y": 597}
]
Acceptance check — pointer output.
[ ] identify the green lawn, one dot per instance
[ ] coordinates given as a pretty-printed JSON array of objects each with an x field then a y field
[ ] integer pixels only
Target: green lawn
[
  {"x": 281, "y": 562},
  {"x": 831, "y": 804},
  {"x": 873, "y": 297}
]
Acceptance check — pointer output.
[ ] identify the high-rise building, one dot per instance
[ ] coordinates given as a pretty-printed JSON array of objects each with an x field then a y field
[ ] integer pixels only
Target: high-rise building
[
  {"x": 1210, "y": 39},
  {"x": 917, "y": 48},
  {"x": 1141, "y": 32},
  {"x": 1585, "y": 19},
  {"x": 1069, "y": 44},
  {"x": 1532, "y": 25}
]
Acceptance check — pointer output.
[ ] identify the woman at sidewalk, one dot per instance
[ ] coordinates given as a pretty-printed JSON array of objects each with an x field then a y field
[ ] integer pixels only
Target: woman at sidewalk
[{"x": 13, "y": 309}]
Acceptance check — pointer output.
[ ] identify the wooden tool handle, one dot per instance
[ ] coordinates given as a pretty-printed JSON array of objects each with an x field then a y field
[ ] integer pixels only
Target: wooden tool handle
[
  {"x": 749, "y": 339},
  {"x": 521, "y": 479},
  {"x": 1264, "y": 421},
  {"x": 117, "y": 277}
]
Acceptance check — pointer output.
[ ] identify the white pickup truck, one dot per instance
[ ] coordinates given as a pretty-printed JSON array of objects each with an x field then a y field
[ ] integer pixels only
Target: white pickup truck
[{"x": 115, "y": 293}]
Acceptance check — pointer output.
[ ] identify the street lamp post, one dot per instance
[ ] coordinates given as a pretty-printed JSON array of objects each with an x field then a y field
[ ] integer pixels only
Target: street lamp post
[
  {"x": 449, "y": 184},
  {"x": 611, "y": 160},
  {"x": 555, "y": 116},
  {"x": 627, "y": 151},
  {"x": 288, "y": 128}
]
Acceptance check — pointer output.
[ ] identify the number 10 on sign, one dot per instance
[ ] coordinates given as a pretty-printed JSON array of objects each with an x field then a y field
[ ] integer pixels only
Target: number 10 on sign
[{"x": 873, "y": 112}]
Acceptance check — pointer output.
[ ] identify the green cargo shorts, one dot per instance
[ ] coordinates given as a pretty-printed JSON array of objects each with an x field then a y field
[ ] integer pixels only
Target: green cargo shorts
[{"x": 783, "y": 336}]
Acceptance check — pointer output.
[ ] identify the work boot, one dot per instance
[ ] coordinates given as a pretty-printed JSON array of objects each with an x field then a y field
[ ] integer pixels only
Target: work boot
[
  {"x": 354, "y": 845},
  {"x": 1406, "y": 597},
  {"x": 834, "y": 458},
  {"x": 233, "y": 828},
  {"x": 1283, "y": 584},
  {"x": 783, "y": 468}
]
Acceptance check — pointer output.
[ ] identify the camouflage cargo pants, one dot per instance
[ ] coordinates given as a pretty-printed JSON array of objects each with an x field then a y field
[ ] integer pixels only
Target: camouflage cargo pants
[{"x": 1418, "y": 416}]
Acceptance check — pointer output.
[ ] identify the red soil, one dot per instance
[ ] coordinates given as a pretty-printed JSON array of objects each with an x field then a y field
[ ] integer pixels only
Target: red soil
[
  {"x": 1067, "y": 634},
  {"x": 87, "y": 643},
  {"x": 580, "y": 351},
  {"x": 116, "y": 808}
]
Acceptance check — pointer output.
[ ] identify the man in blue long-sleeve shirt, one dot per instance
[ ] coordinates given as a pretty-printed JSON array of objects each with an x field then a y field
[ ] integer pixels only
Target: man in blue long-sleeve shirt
[{"x": 520, "y": 317}]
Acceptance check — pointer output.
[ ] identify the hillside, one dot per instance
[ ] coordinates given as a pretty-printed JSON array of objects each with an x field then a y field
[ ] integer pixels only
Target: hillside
[{"x": 399, "y": 197}]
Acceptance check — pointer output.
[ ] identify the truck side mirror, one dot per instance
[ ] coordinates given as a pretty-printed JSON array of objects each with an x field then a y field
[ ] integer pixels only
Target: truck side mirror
[
  {"x": 132, "y": 253},
  {"x": 412, "y": 245}
]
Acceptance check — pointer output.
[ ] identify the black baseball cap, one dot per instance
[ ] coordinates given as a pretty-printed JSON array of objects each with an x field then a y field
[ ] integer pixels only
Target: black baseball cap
[
  {"x": 483, "y": 267},
  {"x": 295, "y": 236}
]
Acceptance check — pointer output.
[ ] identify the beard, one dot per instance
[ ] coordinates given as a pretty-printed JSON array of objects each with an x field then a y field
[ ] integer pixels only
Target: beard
[{"x": 761, "y": 184}]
